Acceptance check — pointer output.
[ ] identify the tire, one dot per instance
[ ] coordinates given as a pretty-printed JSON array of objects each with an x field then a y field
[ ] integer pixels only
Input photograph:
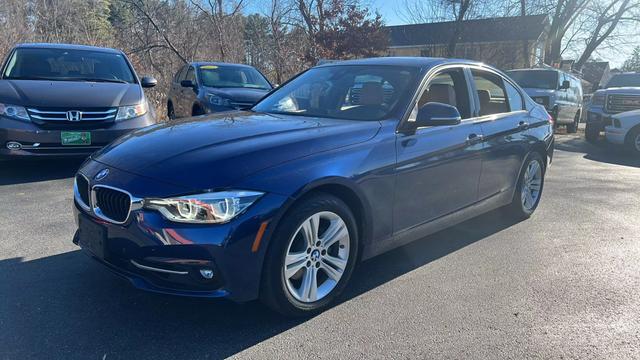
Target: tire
[
  {"x": 197, "y": 111},
  {"x": 632, "y": 141},
  {"x": 171, "y": 113},
  {"x": 521, "y": 208},
  {"x": 284, "y": 291},
  {"x": 591, "y": 133},
  {"x": 573, "y": 127}
]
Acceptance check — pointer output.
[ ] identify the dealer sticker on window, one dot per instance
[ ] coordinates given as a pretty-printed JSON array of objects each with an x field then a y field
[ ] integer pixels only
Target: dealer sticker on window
[{"x": 75, "y": 138}]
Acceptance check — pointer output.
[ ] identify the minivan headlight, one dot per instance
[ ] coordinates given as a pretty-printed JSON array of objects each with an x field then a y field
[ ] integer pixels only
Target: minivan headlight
[
  {"x": 132, "y": 111},
  {"x": 207, "y": 208},
  {"x": 218, "y": 100},
  {"x": 14, "y": 112}
]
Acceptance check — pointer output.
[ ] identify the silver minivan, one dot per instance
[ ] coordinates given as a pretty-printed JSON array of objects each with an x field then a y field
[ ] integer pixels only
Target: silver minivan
[{"x": 559, "y": 92}]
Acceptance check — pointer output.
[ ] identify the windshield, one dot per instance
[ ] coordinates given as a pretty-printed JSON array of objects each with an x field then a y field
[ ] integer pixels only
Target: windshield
[
  {"x": 232, "y": 77},
  {"x": 624, "y": 80},
  {"x": 535, "y": 79},
  {"x": 344, "y": 92},
  {"x": 68, "y": 65}
]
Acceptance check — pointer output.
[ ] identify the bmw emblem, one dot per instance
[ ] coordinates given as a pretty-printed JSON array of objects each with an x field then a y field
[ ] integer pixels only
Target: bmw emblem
[{"x": 101, "y": 175}]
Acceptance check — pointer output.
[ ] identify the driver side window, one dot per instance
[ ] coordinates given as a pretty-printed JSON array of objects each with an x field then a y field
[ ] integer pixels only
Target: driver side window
[{"x": 448, "y": 87}]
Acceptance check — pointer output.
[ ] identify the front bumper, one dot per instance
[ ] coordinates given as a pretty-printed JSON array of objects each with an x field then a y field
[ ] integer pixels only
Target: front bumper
[
  {"x": 39, "y": 142},
  {"x": 157, "y": 255},
  {"x": 615, "y": 135}
]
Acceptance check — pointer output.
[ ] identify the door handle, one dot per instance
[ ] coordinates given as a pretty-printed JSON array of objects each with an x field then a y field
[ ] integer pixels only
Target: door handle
[
  {"x": 474, "y": 139},
  {"x": 523, "y": 125}
]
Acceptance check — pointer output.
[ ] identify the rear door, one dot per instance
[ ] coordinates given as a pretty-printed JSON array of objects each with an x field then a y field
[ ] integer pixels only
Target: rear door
[
  {"x": 501, "y": 112},
  {"x": 438, "y": 167}
]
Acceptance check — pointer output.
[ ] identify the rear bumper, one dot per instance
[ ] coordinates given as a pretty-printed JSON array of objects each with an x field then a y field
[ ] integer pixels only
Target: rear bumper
[{"x": 37, "y": 142}]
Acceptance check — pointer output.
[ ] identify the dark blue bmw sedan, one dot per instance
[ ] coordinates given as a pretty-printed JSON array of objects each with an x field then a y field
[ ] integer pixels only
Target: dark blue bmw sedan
[{"x": 341, "y": 163}]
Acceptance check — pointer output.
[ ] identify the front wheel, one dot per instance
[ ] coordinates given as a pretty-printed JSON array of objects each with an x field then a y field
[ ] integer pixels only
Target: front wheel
[
  {"x": 632, "y": 142},
  {"x": 591, "y": 133},
  {"x": 313, "y": 254},
  {"x": 528, "y": 189}
]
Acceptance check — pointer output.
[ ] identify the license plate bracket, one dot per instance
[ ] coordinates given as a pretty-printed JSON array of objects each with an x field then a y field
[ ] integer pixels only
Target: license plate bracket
[
  {"x": 75, "y": 138},
  {"x": 92, "y": 237}
]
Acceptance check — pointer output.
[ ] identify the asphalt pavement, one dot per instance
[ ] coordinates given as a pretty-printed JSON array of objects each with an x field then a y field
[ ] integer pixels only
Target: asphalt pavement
[{"x": 563, "y": 284}]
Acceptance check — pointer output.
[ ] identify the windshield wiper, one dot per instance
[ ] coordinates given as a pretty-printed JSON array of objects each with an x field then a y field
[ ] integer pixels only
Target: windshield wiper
[{"x": 103, "y": 80}]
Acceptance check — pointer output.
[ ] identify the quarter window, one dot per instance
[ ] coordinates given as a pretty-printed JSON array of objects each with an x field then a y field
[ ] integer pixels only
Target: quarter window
[
  {"x": 515, "y": 99},
  {"x": 491, "y": 93}
]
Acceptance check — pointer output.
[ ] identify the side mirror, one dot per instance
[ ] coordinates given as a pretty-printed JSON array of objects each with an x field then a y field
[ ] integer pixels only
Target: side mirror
[
  {"x": 148, "y": 82},
  {"x": 565, "y": 85},
  {"x": 187, "y": 84},
  {"x": 437, "y": 114}
]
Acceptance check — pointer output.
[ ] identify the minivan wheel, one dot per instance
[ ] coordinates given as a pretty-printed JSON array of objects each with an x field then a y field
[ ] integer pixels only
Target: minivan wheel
[
  {"x": 311, "y": 258},
  {"x": 528, "y": 189},
  {"x": 632, "y": 142},
  {"x": 573, "y": 127},
  {"x": 171, "y": 114}
]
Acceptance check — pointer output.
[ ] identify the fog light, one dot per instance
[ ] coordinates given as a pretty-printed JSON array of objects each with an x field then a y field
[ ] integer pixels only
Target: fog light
[
  {"x": 206, "y": 273},
  {"x": 14, "y": 145}
]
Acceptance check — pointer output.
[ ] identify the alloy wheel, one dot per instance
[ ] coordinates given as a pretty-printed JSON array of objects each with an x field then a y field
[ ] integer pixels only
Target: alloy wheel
[
  {"x": 316, "y": 257},
  {"x": 531, "y": 185}
]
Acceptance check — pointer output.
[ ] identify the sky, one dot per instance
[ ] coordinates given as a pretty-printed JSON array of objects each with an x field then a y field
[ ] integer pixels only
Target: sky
[{"x": 389, "y": 11}]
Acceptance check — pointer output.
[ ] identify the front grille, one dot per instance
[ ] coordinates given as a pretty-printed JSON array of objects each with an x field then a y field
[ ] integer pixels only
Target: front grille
[
  {"x": 79, "y": 115},
  {"x": 617, "y": 103},
  {"x": 112, "y": 204},
  {"x": 83, "y": 189}
]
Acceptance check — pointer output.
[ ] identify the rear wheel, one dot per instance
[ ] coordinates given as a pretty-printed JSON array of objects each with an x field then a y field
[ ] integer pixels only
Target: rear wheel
[
  {"x": 197, "y": 111},
  {"x": 591, "y": 133},
  {"x": 312, "y": 256},
  {"x": 573, "y": 127},
  {"x": 632, "y": 142},
  {"x": 528, "y": 189}
]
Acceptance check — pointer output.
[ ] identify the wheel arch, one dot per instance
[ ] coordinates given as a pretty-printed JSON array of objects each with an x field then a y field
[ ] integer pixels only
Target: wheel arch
[{"x": 632, "y": 130}]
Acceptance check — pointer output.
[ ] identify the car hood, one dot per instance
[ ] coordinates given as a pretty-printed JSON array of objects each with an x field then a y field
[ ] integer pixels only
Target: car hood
[
  {"x": 212, "y": 152},
  {"x": 538, "y": 92},
  {"x": 239, "y": 94},
  {"x": 79, "y": 94},
  {"x": 620, "y": 90}
]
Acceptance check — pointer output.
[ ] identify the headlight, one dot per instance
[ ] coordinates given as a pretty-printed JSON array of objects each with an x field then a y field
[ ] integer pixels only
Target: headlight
[
  {"x": 597, "y": 99},
  {"x": 542, "y": 100},
  {"x": 130, "y": 112},
  {"x": 219, "y": 101},
  {"x": 207, "y": 208},
  {"x": 14, "y": 111}
]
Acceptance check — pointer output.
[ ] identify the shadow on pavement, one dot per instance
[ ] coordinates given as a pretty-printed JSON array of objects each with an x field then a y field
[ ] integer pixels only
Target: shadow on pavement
[
  {"x": 600, "y": 151},
  {"x": 26, "y": 171},
  {"x": 67, "y": 306}
]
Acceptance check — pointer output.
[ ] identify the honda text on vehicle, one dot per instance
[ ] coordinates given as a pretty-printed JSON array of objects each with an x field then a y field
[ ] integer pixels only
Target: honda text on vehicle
[
  {"x": 341, "y": 163},
  {"x": 201, "y": 88},
  {"x": 68, "y": 100},
  {"x": 620, "y": 94},
  {"x": 559, "y": 92}
]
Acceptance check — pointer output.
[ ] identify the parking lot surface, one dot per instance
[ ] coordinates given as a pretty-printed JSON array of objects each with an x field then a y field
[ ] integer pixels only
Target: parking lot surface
[{"x": 564, "y": 284}]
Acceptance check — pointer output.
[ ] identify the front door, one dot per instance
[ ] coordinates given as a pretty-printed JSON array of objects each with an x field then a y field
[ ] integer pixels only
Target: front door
[{"x": 438, "y": 168}]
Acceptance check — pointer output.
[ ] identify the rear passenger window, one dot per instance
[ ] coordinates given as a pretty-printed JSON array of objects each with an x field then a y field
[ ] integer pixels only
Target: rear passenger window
[
  {"x": 515, "y": 99},
  {"x": 448, "y": 87},
  {"x": 491, "y": 93}
]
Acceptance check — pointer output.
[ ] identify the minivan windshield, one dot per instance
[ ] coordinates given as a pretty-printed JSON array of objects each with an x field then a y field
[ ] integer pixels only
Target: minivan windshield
[
  {"x": 624, "y": 80},
  {"x": 232, "y": 77},
  {"x": 350, "y": 92},
  {"x": 68, "y": 65},
  {"x": 535, "y": 79}
]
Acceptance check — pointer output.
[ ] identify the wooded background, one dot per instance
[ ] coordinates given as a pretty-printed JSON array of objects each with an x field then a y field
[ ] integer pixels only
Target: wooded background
[{"x": 284, "y": 37}]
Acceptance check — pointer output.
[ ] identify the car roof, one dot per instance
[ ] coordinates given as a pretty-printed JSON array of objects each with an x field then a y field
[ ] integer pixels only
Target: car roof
[
  {"x": 66, "y": 46},
  {"x": 422, "y": 62},
  {"x": 217, "y": 63}
]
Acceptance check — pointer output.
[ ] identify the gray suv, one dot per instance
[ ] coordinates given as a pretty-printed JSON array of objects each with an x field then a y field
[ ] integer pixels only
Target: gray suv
[
  {"x": 559, "y": 92},
  {"x": 620, "y": 94}
]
